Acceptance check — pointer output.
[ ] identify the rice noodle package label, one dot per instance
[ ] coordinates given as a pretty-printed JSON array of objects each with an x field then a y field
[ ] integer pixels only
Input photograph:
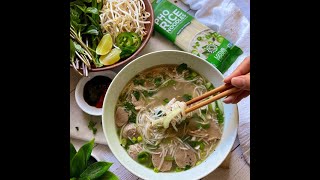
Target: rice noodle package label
[{"x": 192, "y": 36}]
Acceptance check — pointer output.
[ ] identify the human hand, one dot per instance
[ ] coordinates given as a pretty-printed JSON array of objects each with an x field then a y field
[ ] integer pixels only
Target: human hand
[{"x": 239, "y": 78}]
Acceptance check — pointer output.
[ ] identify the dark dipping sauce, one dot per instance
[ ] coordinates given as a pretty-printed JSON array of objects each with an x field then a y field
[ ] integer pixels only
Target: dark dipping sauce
[{"x": 95, "y": 90}]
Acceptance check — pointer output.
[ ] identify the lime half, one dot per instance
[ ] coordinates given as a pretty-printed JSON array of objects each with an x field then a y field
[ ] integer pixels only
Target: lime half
[
  {"x": 111, "y": 58},
  {"x": 104, "y": 45}
]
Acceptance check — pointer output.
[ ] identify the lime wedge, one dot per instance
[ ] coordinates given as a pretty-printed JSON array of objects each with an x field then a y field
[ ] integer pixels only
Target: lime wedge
[
  {"x": 111, "y": 58},
  {"x": 104, "y": 45}
]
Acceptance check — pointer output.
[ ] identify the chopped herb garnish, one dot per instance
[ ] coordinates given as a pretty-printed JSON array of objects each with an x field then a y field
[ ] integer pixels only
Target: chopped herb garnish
[
  {"x": 77, "y": 128},
  {"x": 181, "y": 68},
  {"x": 187, "y": 167},
  {"x": 139, "y": 139},
  {"x": 197, "y": 43},
  {"x": 143, "y": 157},
  {"x": 210, "y": 42},
  {"x": 91, "y": 126},
  {"x": 170, "y": 83},
  {"x": 219, "y": 114},
  {"x": 178, "y": 169},
  {"x": 209, "y": 86},
  {"x": 201, "y": 146},
  {"x": 208, "y": 36},
  {"x": 129, "y": 106},
  {"x": 156, "y": 170},
  {"x": 157, "y": 81},
  {"x": 138, "y": 82},
  {"x": 206, "y": 126},
  {"x": 166, "y": 100},
  {"x": 136, "y": 95},
  {"x": 148, "y": 93},
  {"x": 168, "y": 158},
  {"x": 199, "y": 38},
  {"x": 187, "y": 97},
  {"x": 132, "y": 118}
]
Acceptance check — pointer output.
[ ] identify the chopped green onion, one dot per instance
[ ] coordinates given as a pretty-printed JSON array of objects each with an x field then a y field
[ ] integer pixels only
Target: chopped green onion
[
  {"x": 139, "y": 139},
  {"x": 168, "y": 158},
  {"x": 178, "y": 169},
  {"x": 166, "y": 100},
  {"x": 123, "y": 142},
  {"x": 143, "y": 157},
  {"x": 134, "y": 139},
  {"x": 156, "y": 170}
]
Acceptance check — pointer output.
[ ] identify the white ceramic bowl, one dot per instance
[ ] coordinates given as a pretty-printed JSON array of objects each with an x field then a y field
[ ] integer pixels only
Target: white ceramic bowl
[
  {"x": 79, "y": 92},
  {"x": 154, "y": 59}
]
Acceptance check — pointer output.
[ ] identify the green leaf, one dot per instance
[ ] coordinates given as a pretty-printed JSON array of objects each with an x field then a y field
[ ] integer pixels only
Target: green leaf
[
  {"x": 92, "y": 10},
  {"x": 129, "y": 106},
  {"x": 82, "y": 8},
  {"x": 92, "y": 31},
  {"x": 132, "y": 118},
  {"x": 136, "y": 95},
  {"x": 138, "y": 82},
  {"x": 187, "y": 97},
  {"x": 108, "y": 176},
  {"x": 97, "y": 62},
  {"x": 78, "y": 164},
  {"x": 79, "y": 161},
  {"x": 166, "y": 100},
  {"x": 73, "y": 151},
  {"x": 91, "y": 126},
  {"x": 88, "y": 1},
  {"x": 220, "y": 116},
  {"x": 72, "y": 51},
  {"x": 157, "y": 81},
  {"x": 96, "y": 170},
  {"x": 182, "y": 67}
]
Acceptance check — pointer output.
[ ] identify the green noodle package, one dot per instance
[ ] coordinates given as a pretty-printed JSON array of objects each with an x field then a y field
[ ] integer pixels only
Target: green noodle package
[{"x": 192, "y": 36}]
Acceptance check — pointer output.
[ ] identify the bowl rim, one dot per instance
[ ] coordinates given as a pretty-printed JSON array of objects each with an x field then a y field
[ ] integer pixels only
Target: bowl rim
[
  {"x": 79, "y": 92},
  {"x": 235, "y": 109},
  {"x": 142, "y": 46}
]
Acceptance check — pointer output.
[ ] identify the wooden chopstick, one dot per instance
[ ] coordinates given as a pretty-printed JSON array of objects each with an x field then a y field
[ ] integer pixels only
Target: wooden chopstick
[
  {"x": 209, "y": 93},
  {"x": 224, "y": 91}
]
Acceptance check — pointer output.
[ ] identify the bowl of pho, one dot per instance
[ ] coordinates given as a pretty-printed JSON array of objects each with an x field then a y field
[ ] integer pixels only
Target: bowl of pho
[{"x": 145, "y": 124}]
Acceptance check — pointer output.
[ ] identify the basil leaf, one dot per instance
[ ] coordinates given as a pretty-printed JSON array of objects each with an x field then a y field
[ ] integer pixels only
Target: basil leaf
[
  {"x": 96, "y": 170},
  {"x": 92, "y": 10},
  {"x": 181, "y": 68},
  {"x": 108, "y": 176},
  {"x": 92, "y": 31},
  {"x": 79, "y": 161},
  {"x": 82, "y": 8},
  {"x": 78, "y": 164},
  {"x": 73, "y": 151}
]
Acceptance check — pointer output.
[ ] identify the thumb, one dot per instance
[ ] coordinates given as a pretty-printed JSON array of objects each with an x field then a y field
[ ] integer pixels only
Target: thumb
[{"x": 242, "y": 82}]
